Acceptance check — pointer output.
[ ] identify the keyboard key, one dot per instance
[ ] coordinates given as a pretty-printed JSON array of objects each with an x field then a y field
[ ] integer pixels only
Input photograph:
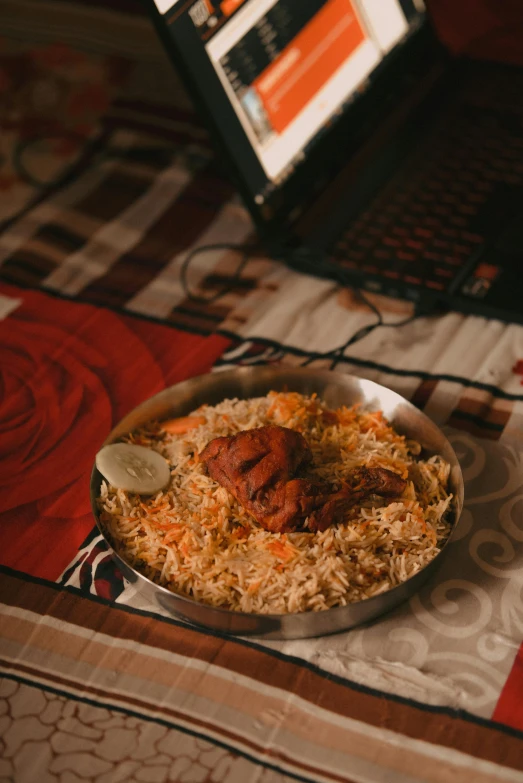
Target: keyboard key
[
  {"x": 414, "y": 245},
  {"x": 391, "y": 242},
  {"x": 356, "y": 255},
  {"x": 423, "y": 228},
  {"x": 365, "y": 242},
  {"x": 468, "y": 237},
  {"x": 459, "y": 222},
  {"x": 426, "y": 233},
  {"x": 358, "y": 226}
]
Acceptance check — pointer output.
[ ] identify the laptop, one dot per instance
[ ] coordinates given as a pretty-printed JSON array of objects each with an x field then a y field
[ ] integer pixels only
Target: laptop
[{"x": 364, "y": 152}]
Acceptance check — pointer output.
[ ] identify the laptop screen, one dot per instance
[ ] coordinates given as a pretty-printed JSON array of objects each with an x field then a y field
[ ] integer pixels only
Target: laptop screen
[{"x": 276, "y": 74}]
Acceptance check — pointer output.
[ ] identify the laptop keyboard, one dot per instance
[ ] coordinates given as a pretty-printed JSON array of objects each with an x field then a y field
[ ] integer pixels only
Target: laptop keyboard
[{"x": 426, "y": 228}]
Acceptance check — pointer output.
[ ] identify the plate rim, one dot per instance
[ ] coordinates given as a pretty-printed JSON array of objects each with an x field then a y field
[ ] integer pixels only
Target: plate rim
[{"x": 261, "y": 370}]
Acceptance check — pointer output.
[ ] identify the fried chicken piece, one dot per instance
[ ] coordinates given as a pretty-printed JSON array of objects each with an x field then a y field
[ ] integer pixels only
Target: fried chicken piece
[
  {"x": 253, "y": 462},
  {"x": 376, "y": 481},
  {"x": 361, "y": 483},
  {"x": 260, "y": 466}
]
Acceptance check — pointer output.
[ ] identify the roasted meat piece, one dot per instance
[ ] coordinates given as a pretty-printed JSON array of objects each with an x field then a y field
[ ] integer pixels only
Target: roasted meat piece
[
  {"x": 254, "y": 462},
  {"x": 261, "y": 467}
]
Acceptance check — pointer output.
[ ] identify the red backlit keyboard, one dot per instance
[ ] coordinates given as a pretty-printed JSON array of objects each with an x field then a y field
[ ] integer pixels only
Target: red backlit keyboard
[{"x": 433, "y": 218}]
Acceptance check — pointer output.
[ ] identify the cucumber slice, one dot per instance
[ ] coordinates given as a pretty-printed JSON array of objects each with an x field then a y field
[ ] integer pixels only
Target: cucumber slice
[{"x": 133, "y": 468}]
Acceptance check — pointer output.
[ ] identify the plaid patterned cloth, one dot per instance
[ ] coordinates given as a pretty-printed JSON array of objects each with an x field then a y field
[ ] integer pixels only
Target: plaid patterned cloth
[{"x": 94, "y": 318}]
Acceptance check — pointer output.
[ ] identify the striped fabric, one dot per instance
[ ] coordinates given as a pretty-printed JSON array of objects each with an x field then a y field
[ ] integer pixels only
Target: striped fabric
[{"x": 267, "y": 708}]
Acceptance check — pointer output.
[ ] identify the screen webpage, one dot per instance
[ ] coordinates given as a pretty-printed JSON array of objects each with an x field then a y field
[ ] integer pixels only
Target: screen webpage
[{"x": 288, "y": 67}]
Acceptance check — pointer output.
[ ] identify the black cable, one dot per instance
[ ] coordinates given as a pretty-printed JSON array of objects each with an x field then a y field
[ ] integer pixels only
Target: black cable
[
  {"x": 88, "y": 148},
  {"x": 246, "y": 253},
  {"x": 361, "y": 333},
  {"x": 364, "y": 332},
  {"x": 66, "y": 177},
  {"x": 337, "y": 353},
  {"x": 247, "y": 250},
  {"x": 25, "y": 144},
  {"x": 84, "y": 143},
  {"x": 306, "y": 261}
]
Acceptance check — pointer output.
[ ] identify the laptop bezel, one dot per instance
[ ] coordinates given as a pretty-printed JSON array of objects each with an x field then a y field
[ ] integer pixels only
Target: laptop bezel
[{"x": 394, "y": 77}]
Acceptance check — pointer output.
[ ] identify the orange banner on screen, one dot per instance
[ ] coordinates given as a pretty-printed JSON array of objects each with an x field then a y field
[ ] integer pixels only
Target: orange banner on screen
[
  {"x": 308, "y": 62},
  {"x": 228, "y": 7}
]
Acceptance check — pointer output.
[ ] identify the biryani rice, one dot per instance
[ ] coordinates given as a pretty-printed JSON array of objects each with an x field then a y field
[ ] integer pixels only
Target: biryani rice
[{"x": 195, "y": 539}]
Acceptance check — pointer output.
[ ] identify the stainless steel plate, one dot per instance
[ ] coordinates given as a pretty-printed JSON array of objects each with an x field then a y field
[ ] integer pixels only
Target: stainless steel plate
[{"x": 335, "y": 389}]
